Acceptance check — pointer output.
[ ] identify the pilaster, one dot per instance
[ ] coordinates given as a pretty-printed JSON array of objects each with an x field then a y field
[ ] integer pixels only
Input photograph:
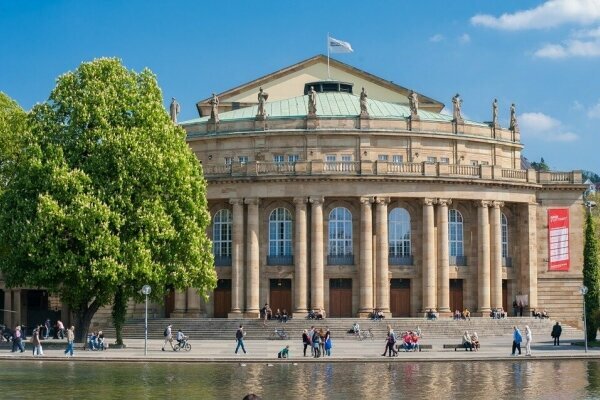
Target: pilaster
[
  {"x": 366, "y": 258},
  {"x": 300, "y": 258}
]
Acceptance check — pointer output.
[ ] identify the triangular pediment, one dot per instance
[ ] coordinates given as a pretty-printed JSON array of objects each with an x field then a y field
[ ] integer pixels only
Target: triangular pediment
[{"x": 289, "y": 82}]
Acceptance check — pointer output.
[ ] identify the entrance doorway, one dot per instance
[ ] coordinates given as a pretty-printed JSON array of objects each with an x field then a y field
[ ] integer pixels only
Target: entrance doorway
[
  {"x": 340, "y": 298},
  {"x": 456, "y": 295},
  {"x": 505, "y": 295},
  {"x": 280, "y": 295},
  {"x": 169, "y": 302},
  {"x": 222, "y": 298},
  {"x": 400, "y": 297}
]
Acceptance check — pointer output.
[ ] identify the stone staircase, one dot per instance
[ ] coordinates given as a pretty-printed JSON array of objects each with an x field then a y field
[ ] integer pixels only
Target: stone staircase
[{"x": 219, "y": 329}]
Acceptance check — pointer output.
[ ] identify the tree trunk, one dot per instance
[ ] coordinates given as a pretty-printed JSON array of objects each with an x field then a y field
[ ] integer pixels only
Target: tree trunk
[
  {"x": 118, "y": 314},
  {"x": 83, "y": 319}
]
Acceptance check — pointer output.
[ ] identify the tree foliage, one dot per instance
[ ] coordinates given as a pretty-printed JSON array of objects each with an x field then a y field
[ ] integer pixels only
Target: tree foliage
[
  {"x": 540, "y": 166},
  {"x": 106, "y": 196},
  {"x": 591, "y": 277},
  {"x": 12, "y": 124},
  {"x": 592, "y": 176}
]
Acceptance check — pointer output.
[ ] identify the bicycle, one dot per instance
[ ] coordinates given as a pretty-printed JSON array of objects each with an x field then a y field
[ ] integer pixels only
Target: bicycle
[
  {"x": 362, "y": 335},
  {"x": 279, "y": 334},
  {"x": 182, "y": 345}
]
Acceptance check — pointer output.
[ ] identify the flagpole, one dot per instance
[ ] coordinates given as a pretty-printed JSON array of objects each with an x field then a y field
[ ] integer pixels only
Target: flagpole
[{"x": 328, "y": 74}]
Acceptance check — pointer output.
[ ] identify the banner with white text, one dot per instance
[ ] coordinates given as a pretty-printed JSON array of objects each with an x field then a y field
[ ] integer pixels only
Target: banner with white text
[{"x": 558, "y": 239}]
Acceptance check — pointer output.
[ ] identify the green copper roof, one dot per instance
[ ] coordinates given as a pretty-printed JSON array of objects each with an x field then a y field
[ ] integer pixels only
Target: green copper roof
[{"x": 330, "y": 104}]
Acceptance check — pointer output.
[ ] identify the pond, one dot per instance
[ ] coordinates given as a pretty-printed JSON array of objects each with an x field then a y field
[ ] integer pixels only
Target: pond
[{"x": 546, "y": 379}]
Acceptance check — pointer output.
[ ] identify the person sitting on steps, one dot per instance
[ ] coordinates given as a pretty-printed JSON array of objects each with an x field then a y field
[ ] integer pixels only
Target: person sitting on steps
[{"x": 467, "y": 342}]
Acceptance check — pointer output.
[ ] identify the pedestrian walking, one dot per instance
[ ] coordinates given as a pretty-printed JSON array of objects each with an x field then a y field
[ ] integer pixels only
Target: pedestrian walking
[
  {"x": 517, "y": 339},
  {"x": 305, "y": 340},
  {"x": 239, "y": 337},
  {"x": 37, "y": 343},
  {"x": 556, "y": 331},
  {"x": 47, "y": 326},
  {"x": 168, "y": 334},
  {"x": 70, "y": 341},
  {"x": 18, "y": 340},
  {"x": 528, "y": 339}
]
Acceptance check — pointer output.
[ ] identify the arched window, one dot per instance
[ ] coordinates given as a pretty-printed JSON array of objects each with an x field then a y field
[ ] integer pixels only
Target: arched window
[
  {"x": 455, "y": 237},
  {"x": 504, "y": 224},
  {"x": 399, "y": 237},
  {"x": 280, "y": 237},
  {"x": 340, "y": 237},
  {"x": 222, "y": 237}
]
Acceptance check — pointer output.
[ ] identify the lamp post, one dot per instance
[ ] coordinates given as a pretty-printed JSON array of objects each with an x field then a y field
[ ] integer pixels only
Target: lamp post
[
  {"x": 590, "y": 204},
  {"x": 146, "y": 290},
  {"x": 583, "y": 291}
]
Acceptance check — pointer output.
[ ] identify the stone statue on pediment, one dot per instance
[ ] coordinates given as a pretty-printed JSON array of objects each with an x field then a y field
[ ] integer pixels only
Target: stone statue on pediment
[
  {"x": 363, "y": 103},
  {"x": 456, "y": 107},
  {"x": 174, "y": 110},
  {"x": 513, "y": 118},
  {"x": 214, "y": 108},
  {"x": 262, "y": 99},
  {"x": 413, "y": 103},
  {"x": 495, "y": 112},
  {"x": 312, "y": 102}
]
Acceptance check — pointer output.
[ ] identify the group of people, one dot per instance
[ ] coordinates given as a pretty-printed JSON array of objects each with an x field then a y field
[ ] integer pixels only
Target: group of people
[
  {"x": 267, "y": 314},
  {"x": 377, "y": 315},
  {"x": 406, "y": 341},
  {"x": 465, "y": 314},
  {"x": 318, "y": 340},
  {"x": 168, "y": 334},
  {"x": 312, "y": 314},
  {"x": 540, "y": 315},
  {"x": 497, "y": 313},
  {"x": 470, "y": 342},
  {"x": 96, "y": 341},
  {"x": 518, "y": 339}
]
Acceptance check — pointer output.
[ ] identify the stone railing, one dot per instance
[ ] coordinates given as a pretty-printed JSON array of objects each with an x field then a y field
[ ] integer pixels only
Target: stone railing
[{"x": 384, "y": 168}]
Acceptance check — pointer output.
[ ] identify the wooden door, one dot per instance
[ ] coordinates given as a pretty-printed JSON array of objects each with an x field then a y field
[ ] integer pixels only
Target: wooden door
[
  {"x": 222, "y": 298},
  {"x": 340, "y": 298},
  {"x": 505, "y": 295},
  {"x": 169, "y": 303},
  {"x": 456, "y": 295},
  {"x": 400, "y": 297},
  {"x": 280, "y": 296}
]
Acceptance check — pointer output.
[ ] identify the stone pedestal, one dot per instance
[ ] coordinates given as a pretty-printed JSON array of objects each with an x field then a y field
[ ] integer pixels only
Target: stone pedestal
[{"x": 312, "y": 122}]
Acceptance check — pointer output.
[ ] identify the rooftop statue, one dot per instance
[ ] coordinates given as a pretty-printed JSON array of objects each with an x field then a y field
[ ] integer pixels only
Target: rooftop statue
[
  {"x": 456, "y": 105},
  {"x": 174, "y": 110},
  {"x": 495, "y": 112},
  {"x": 513, "y": 118},
  {"x": 262, "y": 99},
  {"x": 413, "y": 103},
  {"x": 214, "y": 108},
  {"x": 363, "y": 103},
  {"x": 312, "y": 101}
]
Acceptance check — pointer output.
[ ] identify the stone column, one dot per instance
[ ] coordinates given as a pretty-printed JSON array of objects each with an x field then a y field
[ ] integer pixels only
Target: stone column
[
  {"x": 496, "y": 256},
  {"x": 300, "y": 261},
  {"x": 180, "y": 304},
  {"x": 237, "y": 256},
  {"x": 193, "y": 304},
  {"x": 383, "y": 276},
  {"x": 443, "y": 281},
  {"x": 429, "y": 275},
  {"x": 528, "y": 269},
  {"x": 483, "y": 251},
  {"x": 252, "y": 259},
  {"x": 366, "y": 258},
  {"x": 317, "y": 273},
  {"x": 8, "y": 315}
]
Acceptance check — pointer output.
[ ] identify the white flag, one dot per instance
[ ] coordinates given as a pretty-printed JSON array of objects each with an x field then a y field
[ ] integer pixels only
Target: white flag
[{"x": 339, "y": 46}]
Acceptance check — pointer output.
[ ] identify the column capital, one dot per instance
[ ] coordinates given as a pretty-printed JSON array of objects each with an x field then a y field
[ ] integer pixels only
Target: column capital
[
  {"x": 428, "y": 201},
  {"x": 317, "y": 200},
  {"x": 482, "y": 203},
  {"x": 443, "y": 202},
  {"x": 236, "y": 202},
  {"x": 497, "y": 204},
  {"x": 382, "y": 200},
  {"x": 252, "y": 201},
  {"x": 299, "y": 201},
  {"x": 367, "y": 200}
]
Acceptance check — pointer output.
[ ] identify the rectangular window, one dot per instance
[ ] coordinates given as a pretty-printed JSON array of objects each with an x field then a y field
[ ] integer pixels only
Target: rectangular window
[
  {"x": 278, "y": 158},
  {"x": 292, "y": 158},
  {"x": 396, "y": 159},
  {"x": 330, "y": 158},
  {"x": 243, "y": 159},
  {"x": 485, "y": 163},
  {"x": 228, "y": 160},
  {"x": 474, "y": 163},
  {"x": 444, "y": 160},
  {"x": 382, "y": 157},
  {"x": 346, "y": 157},
  {"x": 431, "y": 160}
]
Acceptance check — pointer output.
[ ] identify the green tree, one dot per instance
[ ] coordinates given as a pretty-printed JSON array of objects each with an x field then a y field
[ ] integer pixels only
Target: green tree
[
  {"x": 106, "y": 196},
  {"x": 540, "y": 166},
  {"x": 12, "y": 124},
  {"x": 591, "y": 277}
]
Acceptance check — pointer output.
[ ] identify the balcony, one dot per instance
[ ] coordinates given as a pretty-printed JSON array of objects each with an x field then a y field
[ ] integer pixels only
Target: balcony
[
  {"x": 280, "y": 260},
  {"x": 222, "y": 261},
  {"x": 507, "y": 262},
  {"x": 340, "y": 260},
  {"x": 400, "y": 260},
  {"x": 459, "y": 261}
]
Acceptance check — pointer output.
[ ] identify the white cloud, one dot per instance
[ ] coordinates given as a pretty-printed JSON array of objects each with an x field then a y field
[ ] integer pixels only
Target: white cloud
[
  {"x": 587, "y": 33},
  {"x": 464, "y": 38},
  {"x": 571, "y": 48},
  {"x": 548, "y": 15},
  {"x": 594, "y": 111},
  {"x": 541, "y": 126},
  {"x": 436, "y": 38}
]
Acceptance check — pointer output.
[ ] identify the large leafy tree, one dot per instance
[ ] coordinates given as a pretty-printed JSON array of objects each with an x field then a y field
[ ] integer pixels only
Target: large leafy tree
[
  {"x": 106, "y": 195},
  {"x": 591, "y": 277},
  {"x": 12, "y": 123}
]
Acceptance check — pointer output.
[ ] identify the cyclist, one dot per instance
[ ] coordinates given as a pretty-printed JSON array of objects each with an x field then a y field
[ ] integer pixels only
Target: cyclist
[{"x": 180, "y": 338}]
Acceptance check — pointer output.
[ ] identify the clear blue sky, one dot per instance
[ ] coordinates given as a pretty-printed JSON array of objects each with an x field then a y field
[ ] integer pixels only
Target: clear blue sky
[{"x": 542, "y": 55}]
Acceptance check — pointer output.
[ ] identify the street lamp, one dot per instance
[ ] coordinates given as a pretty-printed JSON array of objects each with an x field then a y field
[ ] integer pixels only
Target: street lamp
[
  {"x": 590, "y": 204},
  {"x": 146, "y": 290},
  {"x": 583, "y": 291}
]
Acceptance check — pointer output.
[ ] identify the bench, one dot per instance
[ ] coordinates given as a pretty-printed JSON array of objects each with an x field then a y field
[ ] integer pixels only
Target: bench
[
  {"x": 457, "y": 346},
  {"x": 421, "y": 347}
]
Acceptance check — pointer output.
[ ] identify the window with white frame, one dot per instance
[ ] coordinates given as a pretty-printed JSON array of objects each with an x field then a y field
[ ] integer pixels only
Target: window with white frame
[
  {"x": 399, "y": 233},
  {"x": 474, "y": 163},
  {"x": 455, "y": 233},
  {"x": 330, "y": 158},
  {"x": 221, "y": 233},
  {"x": 485, "y": 163},
  {"x": 228, "y": 160},
  {"x": 397, "y": 159},
  {"x": 346, "y": 157},
  {"x": 293, "y": 158},
  {"x": 431, "y": 160},
  {"x": 382, "y": 157},
  {"x": 280, "y": 232},
  {"x": 340, "y": 232},
  {"x": 278, "y": 158},
  {"x": 243, "y": 159},
  {"x": 444, "y": 160},
  {"x": 504, "y": 224}
]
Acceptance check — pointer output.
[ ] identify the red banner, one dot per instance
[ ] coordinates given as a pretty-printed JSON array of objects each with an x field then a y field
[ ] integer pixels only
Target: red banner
[{"x": 558, "y": 239}]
